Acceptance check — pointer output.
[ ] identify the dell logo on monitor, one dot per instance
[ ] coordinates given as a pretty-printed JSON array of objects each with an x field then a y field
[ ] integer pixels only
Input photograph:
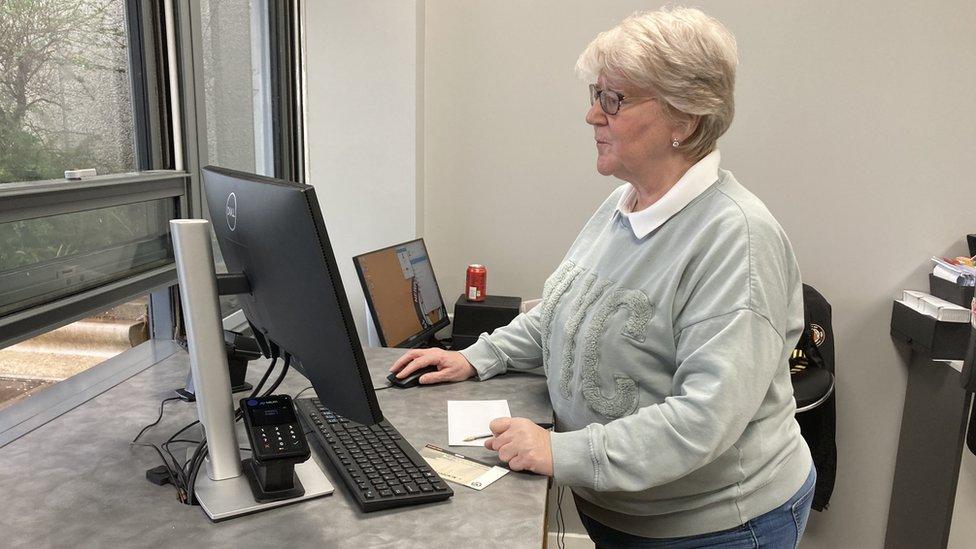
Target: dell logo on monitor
[{"x": 231, "y": 210}]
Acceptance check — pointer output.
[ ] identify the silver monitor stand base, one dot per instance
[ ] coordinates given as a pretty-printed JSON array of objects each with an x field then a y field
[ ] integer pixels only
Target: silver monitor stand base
[{"x": 232, "y": 497}]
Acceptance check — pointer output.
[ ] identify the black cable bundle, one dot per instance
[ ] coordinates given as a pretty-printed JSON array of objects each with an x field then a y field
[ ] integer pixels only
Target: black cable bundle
[{"x": 183, "y": 475}]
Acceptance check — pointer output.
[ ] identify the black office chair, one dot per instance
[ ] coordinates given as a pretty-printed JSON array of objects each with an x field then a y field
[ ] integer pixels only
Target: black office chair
[{"x": 812, "y": 374}]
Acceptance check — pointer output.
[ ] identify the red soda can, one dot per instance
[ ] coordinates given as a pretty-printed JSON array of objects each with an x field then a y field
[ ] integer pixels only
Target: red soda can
[{"x": 476, "y": 280}]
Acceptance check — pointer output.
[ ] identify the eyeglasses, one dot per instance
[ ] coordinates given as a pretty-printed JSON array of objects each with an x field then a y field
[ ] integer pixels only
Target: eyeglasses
[{"x": 610, "y": 100}]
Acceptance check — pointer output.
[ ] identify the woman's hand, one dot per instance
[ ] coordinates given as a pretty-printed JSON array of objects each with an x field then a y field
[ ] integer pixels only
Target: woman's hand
[
  {"x": 522, "y": 444},
  {"x": 451, "y": 365}
]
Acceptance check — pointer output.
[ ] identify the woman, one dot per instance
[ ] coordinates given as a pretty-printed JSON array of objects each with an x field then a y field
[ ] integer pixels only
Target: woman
[{"x": 666, "y": 331}]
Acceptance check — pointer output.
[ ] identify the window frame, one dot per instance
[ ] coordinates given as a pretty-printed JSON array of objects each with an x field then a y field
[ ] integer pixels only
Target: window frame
[{"x": 26, "y": 201}]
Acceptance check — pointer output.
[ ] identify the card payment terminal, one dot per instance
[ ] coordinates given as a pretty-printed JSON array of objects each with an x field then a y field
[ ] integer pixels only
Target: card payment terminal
[{"x": 277, "y": 444}]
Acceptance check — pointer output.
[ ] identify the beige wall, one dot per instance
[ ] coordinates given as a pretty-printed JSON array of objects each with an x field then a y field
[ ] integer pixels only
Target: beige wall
[
  {"x": 855, "y": 125},
  {"x": 361, "y": 64}
]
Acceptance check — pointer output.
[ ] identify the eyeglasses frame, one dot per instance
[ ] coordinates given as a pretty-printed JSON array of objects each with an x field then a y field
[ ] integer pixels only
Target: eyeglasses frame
[{"x": 596, "y": 94}]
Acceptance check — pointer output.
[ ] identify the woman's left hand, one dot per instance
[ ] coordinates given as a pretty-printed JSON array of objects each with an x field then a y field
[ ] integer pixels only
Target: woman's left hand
[{"x": 522, "y": 444}]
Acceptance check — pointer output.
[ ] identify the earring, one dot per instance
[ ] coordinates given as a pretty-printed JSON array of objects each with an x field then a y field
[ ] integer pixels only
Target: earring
[{"x": 674, "y": 142}]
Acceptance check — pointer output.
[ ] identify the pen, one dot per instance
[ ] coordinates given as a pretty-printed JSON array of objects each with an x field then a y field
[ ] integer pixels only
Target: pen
[{"x": 489, "y": 435}]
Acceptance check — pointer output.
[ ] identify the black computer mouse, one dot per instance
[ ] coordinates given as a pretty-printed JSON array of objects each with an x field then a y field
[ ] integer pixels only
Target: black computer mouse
[{"x": 411, "y": 380}]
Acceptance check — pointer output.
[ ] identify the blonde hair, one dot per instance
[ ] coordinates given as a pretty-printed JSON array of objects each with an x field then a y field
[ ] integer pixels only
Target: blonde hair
[{"x": 684, "y": 57}]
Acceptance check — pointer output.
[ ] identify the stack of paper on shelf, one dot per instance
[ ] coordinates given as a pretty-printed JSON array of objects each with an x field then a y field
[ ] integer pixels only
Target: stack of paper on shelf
[
  {"x": 935, "y": 307},
  {"x": 954, "y": 271}
]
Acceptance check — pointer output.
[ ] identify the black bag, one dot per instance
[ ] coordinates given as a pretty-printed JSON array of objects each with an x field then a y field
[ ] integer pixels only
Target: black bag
[{"x": 818, "y": 426}]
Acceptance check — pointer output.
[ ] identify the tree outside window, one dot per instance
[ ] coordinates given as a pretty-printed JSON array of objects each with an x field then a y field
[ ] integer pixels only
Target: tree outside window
[{"x": 65, "y": 100}]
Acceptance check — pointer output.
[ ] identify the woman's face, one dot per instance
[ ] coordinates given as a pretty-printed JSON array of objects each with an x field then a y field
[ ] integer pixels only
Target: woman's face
[{"x": 632, "y": 142}]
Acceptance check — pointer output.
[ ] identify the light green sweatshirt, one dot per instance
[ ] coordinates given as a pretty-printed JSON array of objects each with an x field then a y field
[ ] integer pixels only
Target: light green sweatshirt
[{"x": 667, "y": 365}]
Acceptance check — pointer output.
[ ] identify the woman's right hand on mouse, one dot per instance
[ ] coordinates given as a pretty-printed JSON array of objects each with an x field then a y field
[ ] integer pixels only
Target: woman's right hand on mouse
[{"x": 451, "y": 365}]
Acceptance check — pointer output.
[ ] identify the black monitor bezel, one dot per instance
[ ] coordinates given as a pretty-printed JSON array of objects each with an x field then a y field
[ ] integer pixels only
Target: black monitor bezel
[
  {"x": 420, "y": 336},
  {"x": 328, "y": 255}
]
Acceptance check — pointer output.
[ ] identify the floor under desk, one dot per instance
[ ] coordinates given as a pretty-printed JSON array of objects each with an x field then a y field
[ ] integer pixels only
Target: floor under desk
[{"x": 76, "y": 481}]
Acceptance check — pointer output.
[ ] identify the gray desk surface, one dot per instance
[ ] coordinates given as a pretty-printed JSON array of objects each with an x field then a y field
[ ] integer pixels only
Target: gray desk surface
[{"x": 76, "y": 481}]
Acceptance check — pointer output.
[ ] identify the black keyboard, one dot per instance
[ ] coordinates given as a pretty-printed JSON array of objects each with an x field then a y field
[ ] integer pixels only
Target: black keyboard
[{"x": 378, "y": 467}]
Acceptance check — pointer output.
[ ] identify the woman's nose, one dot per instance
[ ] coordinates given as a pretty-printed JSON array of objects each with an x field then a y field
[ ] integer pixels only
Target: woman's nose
[{"x": 595, "y": 116}]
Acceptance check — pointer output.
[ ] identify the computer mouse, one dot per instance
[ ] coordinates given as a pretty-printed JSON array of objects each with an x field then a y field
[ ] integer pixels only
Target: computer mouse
[{"x": 411, "y": 380}]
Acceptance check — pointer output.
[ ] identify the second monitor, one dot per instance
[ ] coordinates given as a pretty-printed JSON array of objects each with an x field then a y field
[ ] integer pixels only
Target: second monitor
[{"x": 404, "y": 299}]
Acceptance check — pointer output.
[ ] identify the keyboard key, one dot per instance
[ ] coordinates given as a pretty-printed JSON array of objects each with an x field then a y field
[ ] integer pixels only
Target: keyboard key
[
  {"x": 398, "y": 490},
  {"x": 439, "y": 486},
  {"x": 411, "y": 488}
]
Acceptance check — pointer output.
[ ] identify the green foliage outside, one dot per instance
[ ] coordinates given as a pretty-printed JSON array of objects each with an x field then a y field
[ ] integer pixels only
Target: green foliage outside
[{"x": 35, "y": 241}]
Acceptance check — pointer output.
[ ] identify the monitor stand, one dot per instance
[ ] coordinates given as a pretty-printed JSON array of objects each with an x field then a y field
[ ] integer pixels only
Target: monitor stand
[
  {"x": 223, "y": 491},
  {"x": 232, "y": 497},
  {"x": 433, "y": 342}
]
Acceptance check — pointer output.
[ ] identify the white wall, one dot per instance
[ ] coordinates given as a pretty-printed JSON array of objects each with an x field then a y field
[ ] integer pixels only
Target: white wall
[
  {"x": 362, "y": 125},
  {"x": 855, "y": 125}
]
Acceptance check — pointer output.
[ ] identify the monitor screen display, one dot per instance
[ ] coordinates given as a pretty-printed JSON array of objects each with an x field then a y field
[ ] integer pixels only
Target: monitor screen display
[{"x": 403, "y": 296}]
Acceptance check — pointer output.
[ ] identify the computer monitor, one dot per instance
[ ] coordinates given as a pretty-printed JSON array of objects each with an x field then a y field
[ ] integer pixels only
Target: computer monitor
[
  {"x": 404, "y": 299},
  {"x": 272, "y": 231}
]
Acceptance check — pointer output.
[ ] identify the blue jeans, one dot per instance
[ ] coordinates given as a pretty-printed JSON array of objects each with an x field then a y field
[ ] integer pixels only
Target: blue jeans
[{"x": 780, "y": 528}]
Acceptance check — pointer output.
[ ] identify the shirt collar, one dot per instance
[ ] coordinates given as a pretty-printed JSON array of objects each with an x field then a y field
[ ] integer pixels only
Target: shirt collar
[{"x": 694, "y": 182}]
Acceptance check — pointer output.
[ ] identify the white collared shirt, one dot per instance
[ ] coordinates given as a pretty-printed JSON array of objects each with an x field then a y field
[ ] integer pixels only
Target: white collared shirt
[{"x": 694, "y": 182}]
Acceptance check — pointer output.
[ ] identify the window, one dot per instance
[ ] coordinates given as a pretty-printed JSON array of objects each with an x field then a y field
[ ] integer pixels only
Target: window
[
  {"x": 38, "y": 363},
  {"x": 237, "y": 100},
  {"x": 146, "y": 92},
  {"x": 83, "y": 84},
  {"x": 236, "y": 69},
  {"x": 51, "y": 257},
  {"x": 65, "y": 94},
  {"x": 243, "y": 108}
]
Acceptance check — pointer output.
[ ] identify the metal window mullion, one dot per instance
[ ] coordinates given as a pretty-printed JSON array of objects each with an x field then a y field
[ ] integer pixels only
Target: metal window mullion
[
  {"x": 298, "y": 75},
  {"x": 24, "y": 325},
  {"x": 174, "y": 67},
  {"x": 31, "y": 188},
  {"x": 286, "y": 77},
  {"x": 71, "y": 199},
  {"x": 189, "y": 59},
  {"x": 262, "y": 85},
  {"x": 298, "y": 23},
  {"x": 161, "y": 314},
  {"x": 75, "y": 206},
  {"x": 140, "y": 83}
]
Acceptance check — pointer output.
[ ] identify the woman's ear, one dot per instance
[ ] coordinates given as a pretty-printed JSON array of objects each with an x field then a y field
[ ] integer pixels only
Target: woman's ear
[{"x": 687, "y": 126}]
